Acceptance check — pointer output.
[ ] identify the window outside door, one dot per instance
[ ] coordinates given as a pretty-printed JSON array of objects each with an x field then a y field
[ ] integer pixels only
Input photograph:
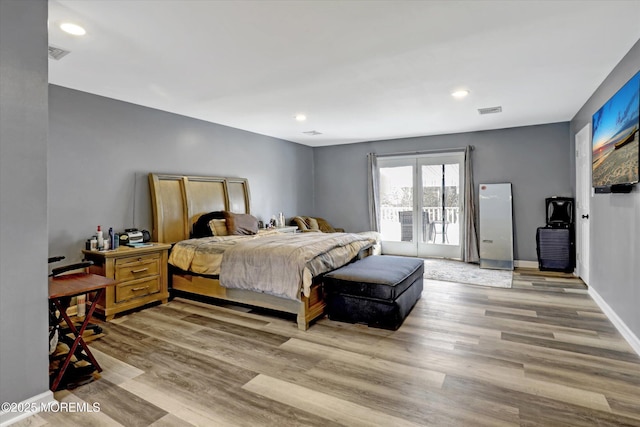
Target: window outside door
[{"x": 421, "y": 205}]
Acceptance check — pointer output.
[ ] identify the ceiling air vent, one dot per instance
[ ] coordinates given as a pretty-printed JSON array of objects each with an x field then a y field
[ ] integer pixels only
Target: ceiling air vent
[
  {"x": 490, "y": 110},
  {"x": 57, "y": 53},
  {"x": 312, "y": 132}
]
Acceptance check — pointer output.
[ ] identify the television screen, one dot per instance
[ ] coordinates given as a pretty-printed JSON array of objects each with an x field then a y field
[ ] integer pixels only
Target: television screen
[{"x": 616, "y": 137}]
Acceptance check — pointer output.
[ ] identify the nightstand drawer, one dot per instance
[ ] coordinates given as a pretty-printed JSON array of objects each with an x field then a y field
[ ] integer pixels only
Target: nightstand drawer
[
  {"x": 137, "y": 288},
  {"x": 132, "y": 268}
]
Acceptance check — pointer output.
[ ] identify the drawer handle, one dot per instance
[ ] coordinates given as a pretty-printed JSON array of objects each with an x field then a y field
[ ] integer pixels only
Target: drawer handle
[
  {"x": 140, "y": 271},
  {"x": 140, "y": 288}
]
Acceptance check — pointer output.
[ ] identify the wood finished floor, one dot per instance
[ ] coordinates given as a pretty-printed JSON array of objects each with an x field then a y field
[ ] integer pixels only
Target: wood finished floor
[{"x": 540, "y": 354}]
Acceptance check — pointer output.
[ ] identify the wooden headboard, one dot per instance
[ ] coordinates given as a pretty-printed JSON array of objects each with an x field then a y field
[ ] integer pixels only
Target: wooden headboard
[{"x": 178, "y": 201}]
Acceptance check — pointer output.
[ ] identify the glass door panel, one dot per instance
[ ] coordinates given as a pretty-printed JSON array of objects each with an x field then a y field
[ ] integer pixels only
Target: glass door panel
[
  {"x": 397, "y": 204},
  {"x": 431, "y": 198},
  {"x": 441, "y": 179},
  {"x": 451, "y": 206}
]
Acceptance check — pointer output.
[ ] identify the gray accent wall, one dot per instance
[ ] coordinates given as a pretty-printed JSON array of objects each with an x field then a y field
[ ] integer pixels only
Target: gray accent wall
[
  {"x": 23, "y": 201},
  {"x": 614, "y": 218},
  {"x": 101, "y": 151},
  {"x": 535, "y": 159}
]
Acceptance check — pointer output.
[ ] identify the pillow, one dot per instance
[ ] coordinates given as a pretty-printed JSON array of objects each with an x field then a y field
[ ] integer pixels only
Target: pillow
[
  {"x": 300, "y": 222},
  {"x": 201, "y": 227},
  {"x": 241, "y": 223},
  {"x": 312, "y": 223},
  {"x": 218, "y": 227}
]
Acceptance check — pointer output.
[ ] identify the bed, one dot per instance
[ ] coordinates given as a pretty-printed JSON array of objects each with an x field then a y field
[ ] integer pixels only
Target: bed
[{"x": 178, "y": 201}]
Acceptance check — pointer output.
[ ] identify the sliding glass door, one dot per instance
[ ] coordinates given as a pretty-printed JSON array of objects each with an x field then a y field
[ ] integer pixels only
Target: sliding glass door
[{"x": 421, "y": 204}]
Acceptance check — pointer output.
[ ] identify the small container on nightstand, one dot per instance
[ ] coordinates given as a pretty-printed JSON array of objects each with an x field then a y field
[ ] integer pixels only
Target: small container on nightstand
[
  {"x": 141, "y": 274},
  {"x": 287, "y": 229}
]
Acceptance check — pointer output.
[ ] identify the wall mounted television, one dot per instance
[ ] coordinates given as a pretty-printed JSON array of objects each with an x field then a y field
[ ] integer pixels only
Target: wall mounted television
[{"x": 616, "y": 138}]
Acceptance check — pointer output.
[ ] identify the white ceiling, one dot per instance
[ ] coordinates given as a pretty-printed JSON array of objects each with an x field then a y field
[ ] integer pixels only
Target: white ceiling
[{"x": 359, "y": 70}]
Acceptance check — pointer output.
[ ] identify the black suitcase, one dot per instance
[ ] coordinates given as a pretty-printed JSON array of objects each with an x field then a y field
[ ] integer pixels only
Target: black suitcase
[{"x": 556, "y": 249}]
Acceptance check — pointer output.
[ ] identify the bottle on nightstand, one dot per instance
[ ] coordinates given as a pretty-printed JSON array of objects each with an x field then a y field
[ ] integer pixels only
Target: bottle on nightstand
[
  {"x": 100, "y": 239},
  {"x": 112, "y": 244}
]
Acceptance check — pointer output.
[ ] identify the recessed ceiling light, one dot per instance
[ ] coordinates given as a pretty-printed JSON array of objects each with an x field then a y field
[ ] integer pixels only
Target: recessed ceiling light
[
  {"x": 460, "y": 93},
  {"x": 301, "y": 117},
  {"x": 74, "y": 29}
]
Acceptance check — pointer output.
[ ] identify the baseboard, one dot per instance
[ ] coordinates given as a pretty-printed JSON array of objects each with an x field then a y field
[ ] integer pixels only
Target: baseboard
[
  {"x": 33, "y": 404},
  {"x": 525, "y": 264},
  {"x": 628, "y": 335}
]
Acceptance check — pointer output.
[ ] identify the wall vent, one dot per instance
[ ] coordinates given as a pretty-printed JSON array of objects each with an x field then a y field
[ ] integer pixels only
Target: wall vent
[
  {"x": 57, "y": 53},
  {"x": 490, "y": 110},
  {"x": 312, "y": 132}
]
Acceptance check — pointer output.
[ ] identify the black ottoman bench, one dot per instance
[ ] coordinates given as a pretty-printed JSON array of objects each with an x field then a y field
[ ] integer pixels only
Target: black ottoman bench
[{"x": 378, "y": 290}]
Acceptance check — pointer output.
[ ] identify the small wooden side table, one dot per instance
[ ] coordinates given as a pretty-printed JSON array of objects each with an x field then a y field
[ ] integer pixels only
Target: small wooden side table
[{"x": 61, "y": 290}]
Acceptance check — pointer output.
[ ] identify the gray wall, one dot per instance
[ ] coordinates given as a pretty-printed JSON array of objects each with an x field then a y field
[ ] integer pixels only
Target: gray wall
[
  {"x": 101, "y": 150},
  {"x": 535, "y": 159},
  {"x": 23, "y": 200},
  {"x": 614, "y": 218}
]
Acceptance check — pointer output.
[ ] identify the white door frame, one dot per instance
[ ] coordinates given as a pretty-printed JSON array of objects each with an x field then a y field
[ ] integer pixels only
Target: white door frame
[
  {"x": 584, "y": 193},
  {"x": 416, "y": 247}
]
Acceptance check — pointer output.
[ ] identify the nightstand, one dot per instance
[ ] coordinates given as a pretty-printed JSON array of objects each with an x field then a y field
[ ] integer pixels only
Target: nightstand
[
  {"x": 286, "y": 229},
  {"x": 141, "y": 274}
]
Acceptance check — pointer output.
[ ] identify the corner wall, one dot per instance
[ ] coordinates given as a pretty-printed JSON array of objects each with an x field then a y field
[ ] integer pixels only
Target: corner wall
[
  {"x": 535, "y": 159},
  {"x": 614, "y": 218},
  {"x": 24, "y": 338}
]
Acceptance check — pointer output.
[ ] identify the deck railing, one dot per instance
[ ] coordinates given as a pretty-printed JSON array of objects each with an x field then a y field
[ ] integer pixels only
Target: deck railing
[{"x": 451, "y": 214}]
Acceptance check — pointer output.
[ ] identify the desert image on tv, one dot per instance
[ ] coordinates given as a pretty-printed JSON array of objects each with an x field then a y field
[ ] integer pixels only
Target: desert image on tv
[{"x": 616, "y": 137}]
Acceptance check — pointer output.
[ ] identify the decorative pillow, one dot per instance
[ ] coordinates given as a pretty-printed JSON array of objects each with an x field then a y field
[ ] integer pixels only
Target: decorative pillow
[
  {"x": 201, "y": 226},
  {"x": 300, "y": 222},
  {"x": 241, "y": 223},
  {"x": 312, "y": 223},
  {"x": 218, "y": 227}
]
